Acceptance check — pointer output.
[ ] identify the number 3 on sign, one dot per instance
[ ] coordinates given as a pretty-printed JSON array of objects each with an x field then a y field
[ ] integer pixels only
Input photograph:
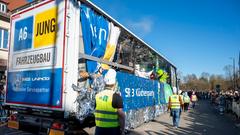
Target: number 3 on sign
[
  {"x": 132, "y": 92},
  {"x": 22, "y": 34},
  {"x": 129, "y": 92}
]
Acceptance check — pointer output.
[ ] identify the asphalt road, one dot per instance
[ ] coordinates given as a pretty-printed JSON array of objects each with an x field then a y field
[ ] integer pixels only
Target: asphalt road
[{"x": 203, "y": 120}]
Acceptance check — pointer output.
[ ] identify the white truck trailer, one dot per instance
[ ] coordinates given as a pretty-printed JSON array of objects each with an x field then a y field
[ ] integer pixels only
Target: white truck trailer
[{"x": 46, "y": 52}]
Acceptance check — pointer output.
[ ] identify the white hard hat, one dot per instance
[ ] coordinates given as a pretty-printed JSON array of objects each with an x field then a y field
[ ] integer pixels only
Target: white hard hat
[
  {"x": 110, "y": 77},
  {"x": 179, "y": 91}
]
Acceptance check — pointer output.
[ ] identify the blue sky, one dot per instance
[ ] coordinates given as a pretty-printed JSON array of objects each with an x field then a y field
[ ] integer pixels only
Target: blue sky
[{"x": 195, "y": 35}]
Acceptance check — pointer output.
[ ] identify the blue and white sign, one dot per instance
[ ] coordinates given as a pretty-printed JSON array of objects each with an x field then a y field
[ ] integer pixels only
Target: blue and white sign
[
  {"x": 37, "y": 87},
  {"x": 35, "y": 75},
  {"x": 95, "y": 29},
  {"x": 137, "y": 92},
  {"x": 23, "y": 34}
]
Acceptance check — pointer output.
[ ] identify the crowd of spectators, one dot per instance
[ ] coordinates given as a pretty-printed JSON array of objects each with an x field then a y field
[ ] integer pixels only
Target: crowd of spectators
[
  {"x": 225, "y": 98},
  {"x": 201, "y": 95}
]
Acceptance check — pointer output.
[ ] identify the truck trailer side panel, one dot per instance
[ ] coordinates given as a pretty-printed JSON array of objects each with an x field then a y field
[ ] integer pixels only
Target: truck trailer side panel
[{"x": 36, "y": 56}]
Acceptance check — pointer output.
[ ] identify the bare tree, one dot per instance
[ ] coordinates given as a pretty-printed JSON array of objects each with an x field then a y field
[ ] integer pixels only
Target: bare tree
[
  {"x": 228, "y": 71},
  {"x": 208, "y": 81},
  {"x": 205, "y": 76}
]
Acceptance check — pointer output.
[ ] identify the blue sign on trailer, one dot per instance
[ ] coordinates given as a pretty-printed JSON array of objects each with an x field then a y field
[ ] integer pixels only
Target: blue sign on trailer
[
  {"x": 35, "y": 87},
  {"x": 137, "y": 92}
]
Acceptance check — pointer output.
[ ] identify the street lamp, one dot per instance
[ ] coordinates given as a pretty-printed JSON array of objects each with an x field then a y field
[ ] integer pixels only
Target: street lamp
[{"x": 234, "y": 83}]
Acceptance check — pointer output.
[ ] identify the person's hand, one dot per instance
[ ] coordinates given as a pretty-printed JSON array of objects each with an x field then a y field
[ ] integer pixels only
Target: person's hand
[
  {"x": 97, "y": 75},
  {"x": 84, "y": 74}
]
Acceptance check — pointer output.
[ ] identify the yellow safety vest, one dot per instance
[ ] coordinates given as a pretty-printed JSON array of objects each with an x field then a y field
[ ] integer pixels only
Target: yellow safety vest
[
  {"x": 194, "y": 98},
  {"x": 105, "y": 115},
  {"x": 186, "y": 99},
  {"x": 174, "y": 101}
]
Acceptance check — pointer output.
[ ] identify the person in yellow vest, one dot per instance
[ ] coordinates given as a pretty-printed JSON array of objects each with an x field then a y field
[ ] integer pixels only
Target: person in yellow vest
[
  {"x": 180, "y": 93},
  {"x": 193, "y": 99},
  {"x": 186, "y": 100},
  {"x": 109, "y": 115},
  {"x": 175, "y": 104},
  {"x": 181, "y": 97}
]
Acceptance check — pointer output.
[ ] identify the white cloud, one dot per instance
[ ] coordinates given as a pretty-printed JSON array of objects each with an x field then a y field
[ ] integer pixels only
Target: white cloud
[{"x": 142, "y": 27}]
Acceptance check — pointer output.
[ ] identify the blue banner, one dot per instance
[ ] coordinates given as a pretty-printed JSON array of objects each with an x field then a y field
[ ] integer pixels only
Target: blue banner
[
  {"x": 38, "y": 87},
  {"x": 23, "y": 34},
  {"x": 161, "y": 93},
  {"x": 137, "y": 92},
  {"x": 95, "y": 34}
]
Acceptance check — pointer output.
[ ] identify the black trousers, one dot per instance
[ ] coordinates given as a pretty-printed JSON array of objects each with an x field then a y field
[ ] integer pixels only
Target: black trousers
[
  {"x": 186, "y": 106},
  {"x": 107, "y": 131}
]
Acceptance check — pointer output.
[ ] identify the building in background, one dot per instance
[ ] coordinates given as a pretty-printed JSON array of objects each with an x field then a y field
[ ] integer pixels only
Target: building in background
[{"x": 6, "y": 8}]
